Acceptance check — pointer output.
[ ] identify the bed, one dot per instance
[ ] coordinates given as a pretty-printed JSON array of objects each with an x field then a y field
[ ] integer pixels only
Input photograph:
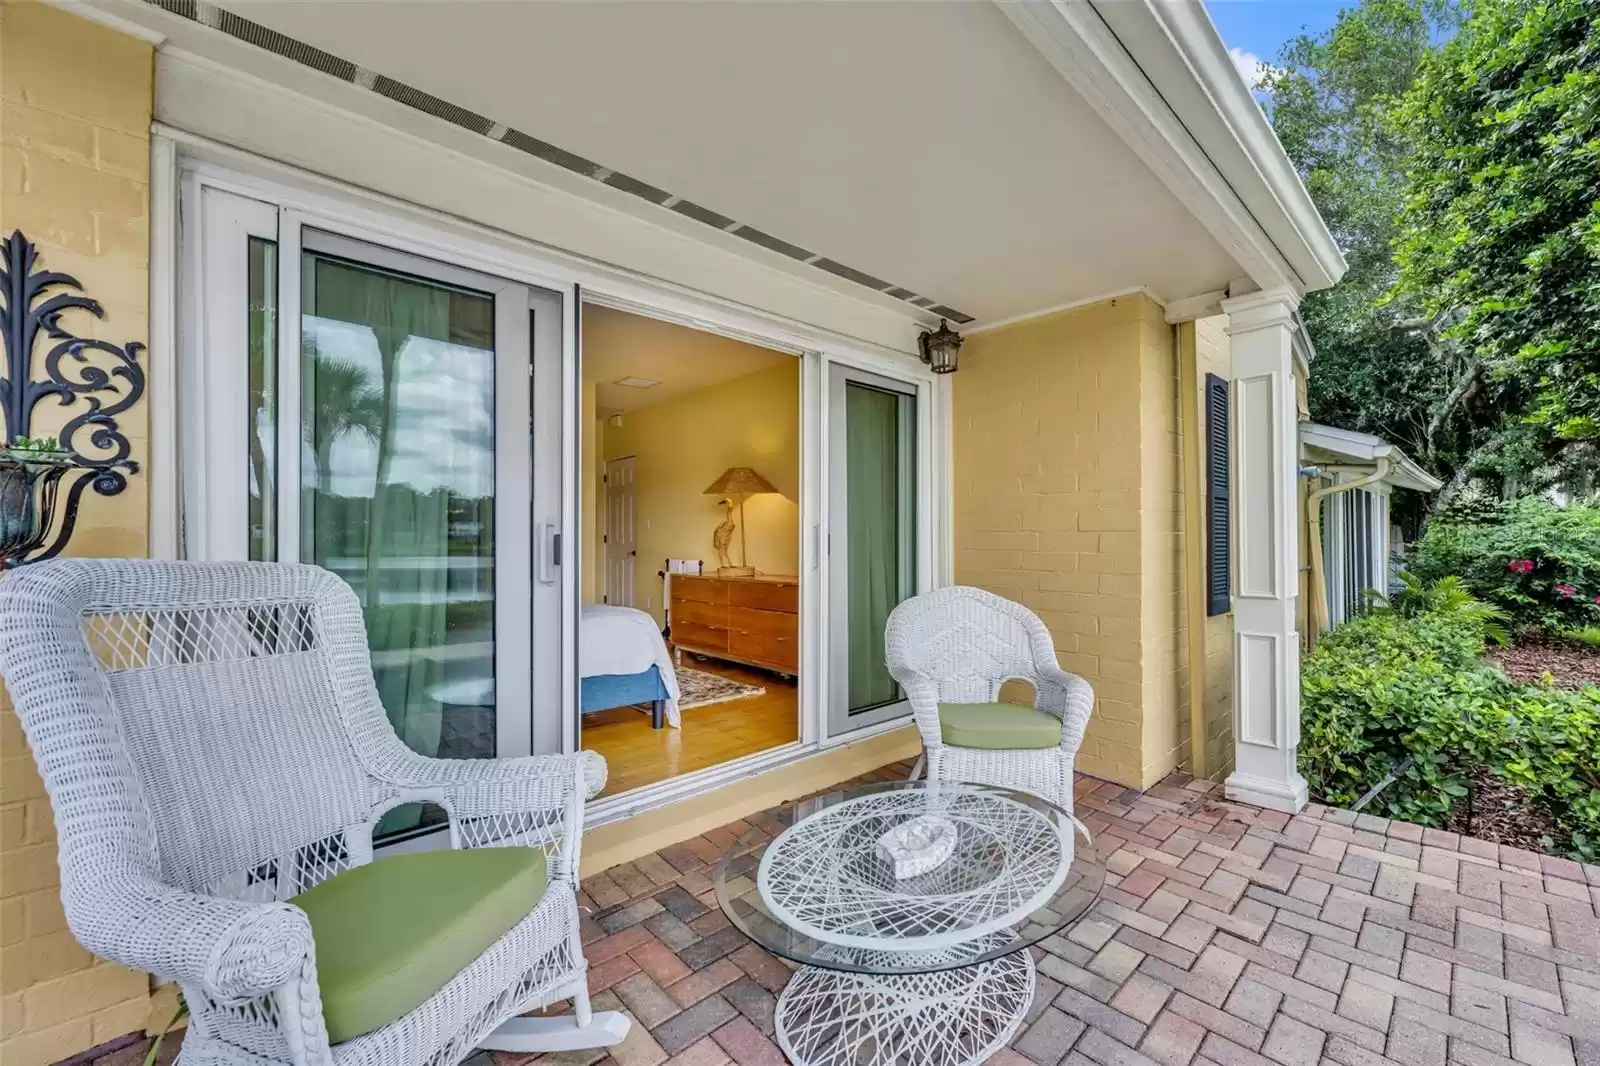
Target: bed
[{"x": 623, "y": 660}]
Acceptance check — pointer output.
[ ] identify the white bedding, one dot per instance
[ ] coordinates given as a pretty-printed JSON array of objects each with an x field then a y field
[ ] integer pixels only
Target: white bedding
[{"x": 621, "y": 640}]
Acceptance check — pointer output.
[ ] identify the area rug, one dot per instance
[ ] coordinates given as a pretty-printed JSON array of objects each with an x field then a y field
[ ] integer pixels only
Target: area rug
[{"x": 697, "y": 688}]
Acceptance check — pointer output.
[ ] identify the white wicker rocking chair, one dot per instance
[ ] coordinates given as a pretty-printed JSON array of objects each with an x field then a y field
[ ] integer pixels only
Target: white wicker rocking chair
[
  {"x": 213, "y": 744},
  {"x": 959, "y": 645}
]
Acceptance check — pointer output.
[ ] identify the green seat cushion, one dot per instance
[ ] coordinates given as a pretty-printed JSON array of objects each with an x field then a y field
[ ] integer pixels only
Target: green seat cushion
[
  {"x": 997, "y": 726},
  {"x": 393, "y": 932}
]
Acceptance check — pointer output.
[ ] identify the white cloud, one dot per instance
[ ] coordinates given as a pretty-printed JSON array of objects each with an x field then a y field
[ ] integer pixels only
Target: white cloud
[{"x": 1250, "y": 66}]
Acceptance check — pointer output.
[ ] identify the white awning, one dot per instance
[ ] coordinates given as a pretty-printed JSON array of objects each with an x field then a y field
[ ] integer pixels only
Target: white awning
[{"x": 1327, "y": 445}]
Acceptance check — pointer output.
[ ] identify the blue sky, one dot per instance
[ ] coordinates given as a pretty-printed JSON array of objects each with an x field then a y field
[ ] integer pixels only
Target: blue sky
[{"x": 1254, "y": 30}]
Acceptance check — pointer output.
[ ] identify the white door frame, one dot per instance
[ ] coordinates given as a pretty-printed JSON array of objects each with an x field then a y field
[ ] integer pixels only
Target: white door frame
[{"x": 380, "y": 219}]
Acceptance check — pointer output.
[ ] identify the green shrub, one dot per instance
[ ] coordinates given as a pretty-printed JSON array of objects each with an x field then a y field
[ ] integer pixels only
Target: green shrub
[
  {"x": 1386, "y": 685},
  {"x": 1538, "y": 562}
]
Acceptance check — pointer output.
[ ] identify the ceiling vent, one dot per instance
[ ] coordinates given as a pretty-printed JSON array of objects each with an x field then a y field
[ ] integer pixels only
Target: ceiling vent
[
  {"x": 636, "y": 382},
  {"x": 254, "y": 33}
]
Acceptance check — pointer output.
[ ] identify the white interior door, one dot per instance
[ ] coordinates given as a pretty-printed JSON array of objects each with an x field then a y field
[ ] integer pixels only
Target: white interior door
[
  {"x": 876, "y": 542},
  {"x": 622, "y": 543}
]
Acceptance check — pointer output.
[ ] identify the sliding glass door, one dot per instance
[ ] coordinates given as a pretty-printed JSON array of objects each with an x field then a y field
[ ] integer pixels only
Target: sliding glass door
[
  {"x": 390, "y": 418},
  {"x": 873, "y": 542}
]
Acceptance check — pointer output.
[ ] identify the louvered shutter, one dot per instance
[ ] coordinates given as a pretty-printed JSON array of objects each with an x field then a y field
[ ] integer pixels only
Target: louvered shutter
[{"x": 1218, "y": 515}]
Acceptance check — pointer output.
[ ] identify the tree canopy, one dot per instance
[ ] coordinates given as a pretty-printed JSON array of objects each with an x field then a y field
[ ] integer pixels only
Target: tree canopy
[
  {"x": 1501, "y": 220},
  {"x": 1454, "y": 159}
]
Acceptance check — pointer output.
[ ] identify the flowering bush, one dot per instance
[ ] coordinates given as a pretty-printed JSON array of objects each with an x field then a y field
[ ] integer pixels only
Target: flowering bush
[{"x": 1538, "y": 562}]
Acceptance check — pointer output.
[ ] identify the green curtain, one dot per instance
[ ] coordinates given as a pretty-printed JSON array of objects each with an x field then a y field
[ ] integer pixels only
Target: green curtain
[
  {"x": 394, "y": 546},
  {"x": 880, "y": 506}
]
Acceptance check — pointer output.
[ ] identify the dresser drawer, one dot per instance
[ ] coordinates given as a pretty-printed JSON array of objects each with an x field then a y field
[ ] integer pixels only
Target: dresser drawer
[
  {"x": 765, "y": 595},
  {"x": 774, "y": 650},
  {"x": 761, "y": 623},
  {"x": 696, "y": 612},
  {"x": 703, "y": 589},
  {"x": 695, "y": 635}
]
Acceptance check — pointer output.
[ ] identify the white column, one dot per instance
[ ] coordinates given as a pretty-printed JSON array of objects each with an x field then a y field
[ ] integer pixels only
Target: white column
[{"x": 1263, "y": 476}]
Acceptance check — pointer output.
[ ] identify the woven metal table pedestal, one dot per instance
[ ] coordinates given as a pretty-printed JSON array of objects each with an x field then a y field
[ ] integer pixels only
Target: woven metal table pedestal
[{"x": 953, "y": 1017}]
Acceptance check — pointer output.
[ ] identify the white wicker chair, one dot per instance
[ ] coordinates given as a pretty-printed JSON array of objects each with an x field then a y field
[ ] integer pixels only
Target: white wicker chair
[
  {"x": 213, "y": 744},
  {"x": 959, "y": 645}
]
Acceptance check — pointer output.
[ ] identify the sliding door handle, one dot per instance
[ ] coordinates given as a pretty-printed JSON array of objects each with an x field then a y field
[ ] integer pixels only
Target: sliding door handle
[{"x": 549, "y": 549}]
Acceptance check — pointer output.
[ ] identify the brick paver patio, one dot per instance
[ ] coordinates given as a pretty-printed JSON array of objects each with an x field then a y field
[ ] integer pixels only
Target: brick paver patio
[{"x": 1226, "y": 936}]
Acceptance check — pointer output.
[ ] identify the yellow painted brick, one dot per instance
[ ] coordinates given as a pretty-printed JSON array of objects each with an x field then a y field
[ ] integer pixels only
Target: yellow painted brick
[
  {"x": 13, "y": 826},
  {"x": 48, "y": 1045},
  {"x": 90, "y": 991},
  {"x": 40, "y": 821},
  {"x": 45, "y": 914},
  {"x": 12, "y": 1021},
  {"x": 126, "y": 1017},
  {"x": 47, "y": 957},
  {"x": 69, "y": 65},
  {"x": 124, "y": 154},
  {"x": 28, "y": 869},
  {"x": 13, "y": 921},
  {"x": 28, "y": 129}
]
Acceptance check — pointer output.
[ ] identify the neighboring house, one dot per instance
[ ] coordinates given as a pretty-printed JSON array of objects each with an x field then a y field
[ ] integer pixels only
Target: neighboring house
[
  {"x": 1352, "y": 538},
  {"x": 1087, "y": 191}
]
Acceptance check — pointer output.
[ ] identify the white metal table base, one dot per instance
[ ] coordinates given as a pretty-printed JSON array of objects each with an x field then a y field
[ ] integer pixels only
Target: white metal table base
[{"x": 953, "y": 1017}]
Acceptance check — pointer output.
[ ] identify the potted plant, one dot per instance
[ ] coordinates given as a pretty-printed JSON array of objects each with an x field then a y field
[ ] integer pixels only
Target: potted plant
[{"x": 36, "y": 450}]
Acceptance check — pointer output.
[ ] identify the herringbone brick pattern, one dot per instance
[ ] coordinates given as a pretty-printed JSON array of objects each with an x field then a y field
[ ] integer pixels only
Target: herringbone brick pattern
[{"x": 1226, "y": 936}]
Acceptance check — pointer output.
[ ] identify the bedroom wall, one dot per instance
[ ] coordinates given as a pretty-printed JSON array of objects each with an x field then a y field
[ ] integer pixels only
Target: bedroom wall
[
  {"x": 684, "y": 444},
  {"x": 591, "y": 517}
]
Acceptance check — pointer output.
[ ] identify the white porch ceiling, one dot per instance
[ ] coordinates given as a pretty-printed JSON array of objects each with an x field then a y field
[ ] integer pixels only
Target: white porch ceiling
[{"x": 929, "y": 145}]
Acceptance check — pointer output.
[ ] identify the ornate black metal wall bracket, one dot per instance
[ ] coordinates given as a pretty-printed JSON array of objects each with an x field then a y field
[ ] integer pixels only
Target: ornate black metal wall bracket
[{"x": 40, "y": 490}]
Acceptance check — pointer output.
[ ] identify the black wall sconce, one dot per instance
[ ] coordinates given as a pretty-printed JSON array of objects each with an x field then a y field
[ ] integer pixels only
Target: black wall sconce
[
  {"x": 42, "y": 480},
  {"x": 940, "y": 349}
]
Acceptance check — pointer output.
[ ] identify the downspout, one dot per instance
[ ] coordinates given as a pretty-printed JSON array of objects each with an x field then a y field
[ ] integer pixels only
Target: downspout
[
  {"x": 1319, "y": 581},
  {"x": 1193, "y": 553}
]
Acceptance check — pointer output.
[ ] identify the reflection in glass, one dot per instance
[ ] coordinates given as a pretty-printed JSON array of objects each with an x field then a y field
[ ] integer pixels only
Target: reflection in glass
[
  {"x": 262, "y": 422},
  {"x": 397, "y": 386},
  {"x": 881, "y": 506}
]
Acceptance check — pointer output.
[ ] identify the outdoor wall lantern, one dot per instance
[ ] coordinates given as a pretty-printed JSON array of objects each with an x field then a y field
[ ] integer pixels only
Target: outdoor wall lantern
[
  {"x": 939, "y": 349},
  {"x": 42, "y": 479}
]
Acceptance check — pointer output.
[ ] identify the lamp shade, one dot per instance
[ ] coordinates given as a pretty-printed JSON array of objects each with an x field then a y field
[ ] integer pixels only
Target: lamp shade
[{"x": 739, "y": 481}]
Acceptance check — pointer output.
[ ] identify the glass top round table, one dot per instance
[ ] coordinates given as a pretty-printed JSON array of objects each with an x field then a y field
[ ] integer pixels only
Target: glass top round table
[{"x": 984, "y": 872}]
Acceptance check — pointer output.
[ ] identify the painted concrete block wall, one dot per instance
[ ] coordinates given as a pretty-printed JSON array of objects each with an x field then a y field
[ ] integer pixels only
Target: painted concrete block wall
[
  {"x": 1212, "y": 357},
  {"x": 1065, "y": 500},
  {"x": 75, "y": 104}
]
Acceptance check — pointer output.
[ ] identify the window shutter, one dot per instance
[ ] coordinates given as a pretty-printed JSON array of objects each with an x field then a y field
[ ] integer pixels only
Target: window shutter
[{"x": 1218, "y": 515}]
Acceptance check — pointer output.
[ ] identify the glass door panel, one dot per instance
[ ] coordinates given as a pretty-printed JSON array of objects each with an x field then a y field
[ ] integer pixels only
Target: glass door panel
[
  {"x": 397, "y": 410},
  {"x": 872, "y": 539}
]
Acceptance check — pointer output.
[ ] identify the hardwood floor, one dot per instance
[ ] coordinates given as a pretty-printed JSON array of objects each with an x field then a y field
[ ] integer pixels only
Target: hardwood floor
[{"x": 637, "y": 755}]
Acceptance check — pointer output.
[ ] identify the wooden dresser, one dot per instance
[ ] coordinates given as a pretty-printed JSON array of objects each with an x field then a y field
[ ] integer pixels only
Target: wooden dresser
[{"x": 753, "y": 620}]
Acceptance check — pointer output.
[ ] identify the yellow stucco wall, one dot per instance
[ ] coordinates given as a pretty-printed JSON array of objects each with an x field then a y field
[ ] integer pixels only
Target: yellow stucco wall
[
  {"x": 1066, "y": 499},
  {"x": 684, "y": 444},
  {"x": 1212, "y": 356},
  {"x": 75, "y": 104}
]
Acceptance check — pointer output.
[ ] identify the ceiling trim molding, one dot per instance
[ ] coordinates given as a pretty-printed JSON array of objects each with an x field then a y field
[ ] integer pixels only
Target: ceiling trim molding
[
  {"x": 1108, "y": 71},
  {"x": 1071, "y": 305},
  {"x": 126, "y": 27}
]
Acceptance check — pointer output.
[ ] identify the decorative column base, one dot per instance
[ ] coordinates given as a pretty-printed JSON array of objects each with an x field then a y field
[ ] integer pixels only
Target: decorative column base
[{"x": 1289, "y": 797}]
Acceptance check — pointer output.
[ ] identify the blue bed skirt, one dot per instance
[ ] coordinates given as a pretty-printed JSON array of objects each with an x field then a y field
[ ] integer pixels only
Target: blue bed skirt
[{"x": 605, "y": 691}]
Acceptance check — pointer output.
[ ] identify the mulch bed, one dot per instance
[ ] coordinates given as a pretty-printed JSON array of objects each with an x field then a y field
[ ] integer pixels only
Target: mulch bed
[
  {"x": 1570, "y": 664},
  {"x": 1497, "y": 812}
]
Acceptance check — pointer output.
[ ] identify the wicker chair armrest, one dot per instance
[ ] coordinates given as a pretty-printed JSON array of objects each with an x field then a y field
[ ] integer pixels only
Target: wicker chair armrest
[
  {"x": 1068, "y": 697},
  {"x": 923, "y": 695},
  {"x": 535, "y": 800},
  {"x": 479, "y": 788},
  {"x": 233, "y": 951}
]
